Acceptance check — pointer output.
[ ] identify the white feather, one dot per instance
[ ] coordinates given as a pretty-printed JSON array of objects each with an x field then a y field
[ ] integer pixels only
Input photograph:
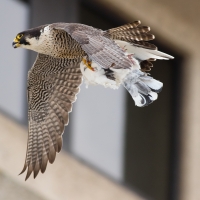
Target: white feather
[
  {"x": 153, "y": 95},
  {"x": 142, "y": 87},
  {"x": 152, "y": 83},
  {"x": 138, "y": 100},
  {"x": 142, "y": 53},
  {"x": 97, "y": 76}
]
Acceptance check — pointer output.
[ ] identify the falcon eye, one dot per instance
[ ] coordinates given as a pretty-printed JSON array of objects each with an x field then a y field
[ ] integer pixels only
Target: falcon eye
[{"x": 19, "y": 36}]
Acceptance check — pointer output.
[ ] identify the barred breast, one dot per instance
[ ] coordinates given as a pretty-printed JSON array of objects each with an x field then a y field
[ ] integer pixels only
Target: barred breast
[{"x": 59, "y": 44}]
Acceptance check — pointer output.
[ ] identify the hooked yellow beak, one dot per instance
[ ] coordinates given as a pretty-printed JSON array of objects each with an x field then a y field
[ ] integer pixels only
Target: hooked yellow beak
[{"x": 15, "y": 43}]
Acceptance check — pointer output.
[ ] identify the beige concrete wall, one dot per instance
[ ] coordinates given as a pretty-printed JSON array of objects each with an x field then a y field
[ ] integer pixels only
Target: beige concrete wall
[
  {"x": 11, "y": 190},
  {"x": 176, "y": 24},
  {"x": 66, "y": 179}
]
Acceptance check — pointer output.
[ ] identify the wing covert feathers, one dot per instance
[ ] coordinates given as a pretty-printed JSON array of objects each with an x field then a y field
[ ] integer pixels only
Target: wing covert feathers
[
  {"x": 52, "y": 88},
  {"x": 98, "y": 48}
]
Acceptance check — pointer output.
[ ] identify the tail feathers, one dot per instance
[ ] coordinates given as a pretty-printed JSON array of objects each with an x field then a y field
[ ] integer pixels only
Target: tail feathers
[
  {"x": 130, "y": 37},
  {"x": 130, "y": 32},
  {"x": 125, "y": 27},
  {"x": 142, "y": 88}
]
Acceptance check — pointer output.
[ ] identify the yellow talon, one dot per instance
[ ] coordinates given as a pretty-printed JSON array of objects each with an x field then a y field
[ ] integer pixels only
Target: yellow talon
[{"x": 88, "y": 64}]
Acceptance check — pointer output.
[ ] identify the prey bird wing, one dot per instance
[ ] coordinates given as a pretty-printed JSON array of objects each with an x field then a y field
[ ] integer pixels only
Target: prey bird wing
[
  {"x": 53, "y": 84},
  {"x": 134, "y": 38},
  {"x": 100, "y": 49}
]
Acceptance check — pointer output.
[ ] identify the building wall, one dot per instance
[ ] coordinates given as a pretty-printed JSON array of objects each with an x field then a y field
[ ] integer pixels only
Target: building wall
[
  {"x": 12, "y": 190},
  {"x": 13, "y": 18},
  {"x": 176, "y": 24},
  {"x": 66, "y": 179}
]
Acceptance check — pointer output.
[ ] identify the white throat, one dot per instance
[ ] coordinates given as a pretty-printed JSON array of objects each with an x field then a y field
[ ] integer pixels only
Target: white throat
[{"x": 39, "y": 44}]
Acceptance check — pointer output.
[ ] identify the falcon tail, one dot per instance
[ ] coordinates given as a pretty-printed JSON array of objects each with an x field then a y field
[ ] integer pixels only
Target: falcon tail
[{"x": 142, "y": 87}]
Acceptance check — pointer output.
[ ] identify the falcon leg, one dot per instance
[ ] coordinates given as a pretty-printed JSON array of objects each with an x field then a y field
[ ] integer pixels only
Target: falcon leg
[{"x": 88, "y": 63}]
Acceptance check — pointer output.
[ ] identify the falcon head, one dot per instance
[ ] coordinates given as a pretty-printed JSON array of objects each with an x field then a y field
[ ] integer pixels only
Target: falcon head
[{"x": 29, "y": 39}]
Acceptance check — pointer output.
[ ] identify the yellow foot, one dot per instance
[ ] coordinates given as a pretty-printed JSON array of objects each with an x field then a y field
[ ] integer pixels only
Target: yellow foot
[{"x": 87, "y": 64}]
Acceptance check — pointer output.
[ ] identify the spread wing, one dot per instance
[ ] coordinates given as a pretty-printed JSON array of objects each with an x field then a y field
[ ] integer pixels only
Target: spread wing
[
  {"x": 100, "y": 49},
  {"x": 53, "y": 84}
]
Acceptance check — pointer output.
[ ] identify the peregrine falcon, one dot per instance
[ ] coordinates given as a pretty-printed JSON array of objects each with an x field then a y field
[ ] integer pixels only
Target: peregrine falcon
[{"x": 66, "y": 53}]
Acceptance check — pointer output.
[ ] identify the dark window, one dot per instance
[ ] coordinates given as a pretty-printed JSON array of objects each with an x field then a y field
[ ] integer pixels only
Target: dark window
[
  {"x": 151, "y": 145},
  {"x": 151, "y": 154}
]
